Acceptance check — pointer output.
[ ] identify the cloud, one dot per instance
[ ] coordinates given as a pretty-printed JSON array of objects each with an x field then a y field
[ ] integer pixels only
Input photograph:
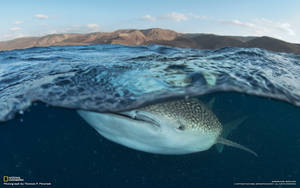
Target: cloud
[
  {"x": 15, "y": 28},
  {"x": 41, "y": 16},
  {"x": 89, "y": 28},
  {"x": 238, "y": 23},
  {"x": 45, "y": 29},
  {"x": 282, "y": 27},
  {"x": 18, "y": 22},
  {"x": 7, "y": 36},
  {"x": 200, "y": 17},
  {"x": 10, "y": 36},
  {"x": 261, "y": 26},
  {"x": 148, "y": 17},
  {"x": 264, "y": 26},
  {"x": 175, "y": 16},
  {"x": 93, "y": 26}
]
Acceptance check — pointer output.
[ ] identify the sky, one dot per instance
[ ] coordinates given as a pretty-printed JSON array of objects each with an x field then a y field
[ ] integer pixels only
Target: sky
[{"x": 274, "y": 18}]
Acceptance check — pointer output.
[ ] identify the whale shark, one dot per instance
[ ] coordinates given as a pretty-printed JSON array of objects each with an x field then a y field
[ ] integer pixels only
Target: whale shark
[{"x": 172, "y": 127}]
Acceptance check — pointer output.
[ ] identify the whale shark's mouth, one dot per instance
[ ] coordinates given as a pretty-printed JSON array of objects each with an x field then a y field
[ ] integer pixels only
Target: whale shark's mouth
[{"x": 139, "y": 116}]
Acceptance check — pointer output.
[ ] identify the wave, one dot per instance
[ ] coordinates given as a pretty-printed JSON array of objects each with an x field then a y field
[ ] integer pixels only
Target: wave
[{"x": 112, "y": 78}]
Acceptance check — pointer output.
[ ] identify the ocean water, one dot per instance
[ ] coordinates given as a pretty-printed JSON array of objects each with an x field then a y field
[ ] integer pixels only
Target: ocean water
[{"x": 43, "y": 139}]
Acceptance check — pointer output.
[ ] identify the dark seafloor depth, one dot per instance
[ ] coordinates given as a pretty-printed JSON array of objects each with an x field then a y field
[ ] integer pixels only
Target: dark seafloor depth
[{"x": 43, "y": 143}]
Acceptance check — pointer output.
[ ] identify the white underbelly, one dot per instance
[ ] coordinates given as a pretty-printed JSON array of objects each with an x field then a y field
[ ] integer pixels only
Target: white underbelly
[{"x": 144, "y": 136}]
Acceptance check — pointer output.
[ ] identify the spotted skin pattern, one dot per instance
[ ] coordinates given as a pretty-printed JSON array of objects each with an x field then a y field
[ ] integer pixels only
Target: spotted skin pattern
[{"x": 189, "y": 114}]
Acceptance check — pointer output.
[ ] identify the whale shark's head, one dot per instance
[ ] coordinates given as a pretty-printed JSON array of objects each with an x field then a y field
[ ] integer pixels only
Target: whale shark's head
[
  {"x": 173, "y": 127},
  {"x": 193, "y": 124}
]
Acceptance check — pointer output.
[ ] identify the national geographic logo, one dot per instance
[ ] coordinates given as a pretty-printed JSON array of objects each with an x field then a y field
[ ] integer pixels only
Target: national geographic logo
[
  {"x": 5, "y": 179},
  {"x": 18, "y": 181}
]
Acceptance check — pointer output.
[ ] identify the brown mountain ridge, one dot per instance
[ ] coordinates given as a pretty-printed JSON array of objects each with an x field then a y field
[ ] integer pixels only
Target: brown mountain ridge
[{"x": 153, "y": 36}]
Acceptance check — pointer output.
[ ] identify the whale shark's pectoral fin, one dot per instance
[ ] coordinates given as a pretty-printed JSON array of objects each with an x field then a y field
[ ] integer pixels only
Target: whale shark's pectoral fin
[
  {"x": 233, "y": 144},
  {"x": 228, "y": 128}
]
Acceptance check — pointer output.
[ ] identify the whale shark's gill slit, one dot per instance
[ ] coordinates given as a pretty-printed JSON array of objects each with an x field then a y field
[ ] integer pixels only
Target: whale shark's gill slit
[{"x": 140, "y": 117}]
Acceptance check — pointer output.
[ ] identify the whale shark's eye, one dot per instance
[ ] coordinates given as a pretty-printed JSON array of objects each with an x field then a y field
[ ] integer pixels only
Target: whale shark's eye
[{"x": 181, "y": 127}]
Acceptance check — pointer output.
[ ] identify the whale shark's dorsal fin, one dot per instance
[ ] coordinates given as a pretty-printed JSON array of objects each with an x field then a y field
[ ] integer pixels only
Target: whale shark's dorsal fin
[
  {"x": 233, "y": 144},
  {"x": 210, "y": 104}
]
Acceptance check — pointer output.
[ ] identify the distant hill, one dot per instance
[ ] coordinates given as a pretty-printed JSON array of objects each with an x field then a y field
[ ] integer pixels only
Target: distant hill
[{"x": 153, "y": 36}]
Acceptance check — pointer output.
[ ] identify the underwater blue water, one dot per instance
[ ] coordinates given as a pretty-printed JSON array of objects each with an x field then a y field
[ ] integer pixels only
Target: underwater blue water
[{"x": 49, "y": 142}]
